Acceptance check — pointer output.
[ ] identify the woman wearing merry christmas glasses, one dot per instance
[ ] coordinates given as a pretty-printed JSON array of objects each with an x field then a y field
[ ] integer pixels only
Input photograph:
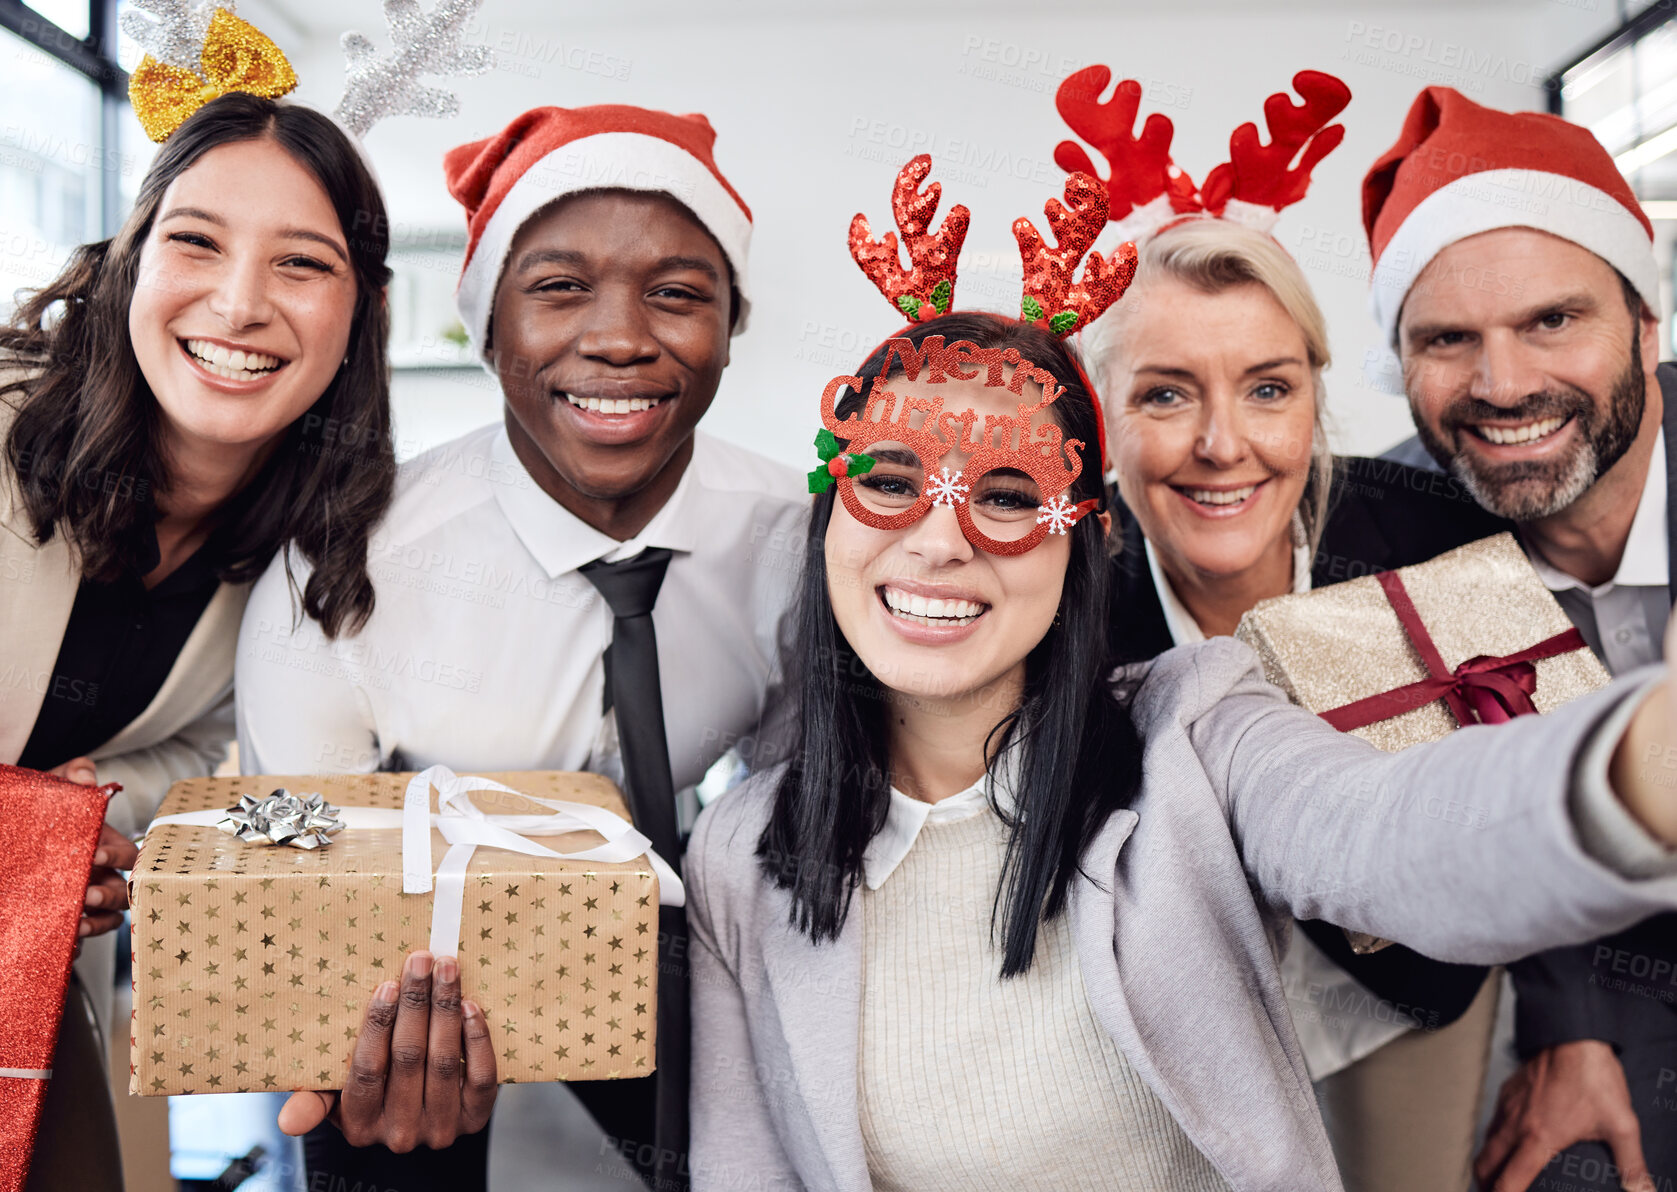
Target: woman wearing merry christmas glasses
[
  {"x": 1211, "y": 372},
  {"x": 184, "y": 401},
  {"x": 1009, "y": 920}
]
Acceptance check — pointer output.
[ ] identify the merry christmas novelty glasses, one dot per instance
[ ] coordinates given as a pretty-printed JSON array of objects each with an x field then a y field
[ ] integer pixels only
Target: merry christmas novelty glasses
[{"x": 887, "y": 458}]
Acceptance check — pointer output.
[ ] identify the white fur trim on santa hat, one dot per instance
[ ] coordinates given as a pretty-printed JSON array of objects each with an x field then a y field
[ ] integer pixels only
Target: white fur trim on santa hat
[
  {"x": 612, "y": 160},
  {"x": 1555, "y": 203}
]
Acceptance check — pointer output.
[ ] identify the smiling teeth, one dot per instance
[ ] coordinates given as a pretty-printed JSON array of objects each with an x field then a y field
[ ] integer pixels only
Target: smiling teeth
[
  {"x": 230, "y": 363},
  {"x": 613, "y": 405},
  {"x": 1207, "y": 496},
  {"x": 928, "y": 610},
  {"x": 1520, "y": 434}
]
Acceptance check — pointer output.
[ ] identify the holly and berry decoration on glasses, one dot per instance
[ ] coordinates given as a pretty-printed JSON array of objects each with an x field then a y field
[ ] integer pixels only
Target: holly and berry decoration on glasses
[{"x": 836, "y": 464}]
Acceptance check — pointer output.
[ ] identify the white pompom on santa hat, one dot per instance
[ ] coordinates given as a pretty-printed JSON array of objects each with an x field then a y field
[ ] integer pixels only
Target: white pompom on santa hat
[
  {"x": 1460, "y": 168},
  {"x": 548, "y": 153}
]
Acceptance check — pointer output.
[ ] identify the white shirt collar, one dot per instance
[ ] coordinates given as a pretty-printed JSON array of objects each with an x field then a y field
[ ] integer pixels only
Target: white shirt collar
[
  {"x": 561, "y": 542},
  {"x": 1184, "y": 630},
  {"x": 907, "y": 815},
  {"x": 1646, "y": 556}
]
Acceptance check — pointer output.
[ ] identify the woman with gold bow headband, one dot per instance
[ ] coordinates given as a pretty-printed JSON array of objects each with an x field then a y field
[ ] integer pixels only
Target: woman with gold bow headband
[
  {"x": 1008, "y": 918},
  {"x": 205, "y": 390}
]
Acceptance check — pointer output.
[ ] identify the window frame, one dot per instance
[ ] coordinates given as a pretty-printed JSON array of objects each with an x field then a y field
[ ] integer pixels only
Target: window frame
[
  {"x": 94, "y": 58},
  {"x": 1633, "y": 30}
]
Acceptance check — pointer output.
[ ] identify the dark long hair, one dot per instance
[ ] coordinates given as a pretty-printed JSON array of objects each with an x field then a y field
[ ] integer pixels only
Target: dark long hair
[
  {"x": 86, "y": 446},
  {"x": 1078, "y": 756}
]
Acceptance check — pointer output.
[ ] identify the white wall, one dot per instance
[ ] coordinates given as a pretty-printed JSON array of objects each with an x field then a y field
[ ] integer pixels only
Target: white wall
[{"x": 815, "y": 113}]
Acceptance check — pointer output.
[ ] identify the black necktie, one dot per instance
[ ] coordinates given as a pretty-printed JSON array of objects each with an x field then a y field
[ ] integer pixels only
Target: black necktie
[{"x": 633, "y": 690}]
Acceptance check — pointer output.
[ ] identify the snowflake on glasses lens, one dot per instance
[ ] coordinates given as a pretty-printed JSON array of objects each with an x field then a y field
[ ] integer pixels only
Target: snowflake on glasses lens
[
  {"x": 1060, "y": 514},
  {"x": 946, "y": 489}
]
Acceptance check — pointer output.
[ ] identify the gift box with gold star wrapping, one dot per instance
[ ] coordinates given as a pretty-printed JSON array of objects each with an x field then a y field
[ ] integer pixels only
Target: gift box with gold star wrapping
[{"x": 253, "y": 965}]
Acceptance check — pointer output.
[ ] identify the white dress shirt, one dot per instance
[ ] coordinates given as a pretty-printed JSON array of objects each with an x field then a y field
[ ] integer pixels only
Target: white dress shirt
[
  {"x": 484, "y": 650},
  {"x": 1337, "y": 1019},
  {"x": 1630, "y": 610}
]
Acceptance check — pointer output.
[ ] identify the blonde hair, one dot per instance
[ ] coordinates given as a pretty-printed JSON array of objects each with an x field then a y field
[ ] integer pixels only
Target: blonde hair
[{"x": 1213, "y": 255}]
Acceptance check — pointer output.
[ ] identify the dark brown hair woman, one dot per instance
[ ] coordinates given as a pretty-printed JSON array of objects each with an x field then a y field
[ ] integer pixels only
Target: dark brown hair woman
[{"x": 186, "y": 399}]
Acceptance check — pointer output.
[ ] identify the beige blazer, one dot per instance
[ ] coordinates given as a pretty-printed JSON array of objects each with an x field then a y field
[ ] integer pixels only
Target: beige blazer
[{"x": 182, "y": 733}]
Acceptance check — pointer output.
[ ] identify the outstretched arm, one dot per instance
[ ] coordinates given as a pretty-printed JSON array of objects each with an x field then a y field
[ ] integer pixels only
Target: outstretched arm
[
  {"x": 1482, "y": 847},
  {"x": 1644, "y": 767}
]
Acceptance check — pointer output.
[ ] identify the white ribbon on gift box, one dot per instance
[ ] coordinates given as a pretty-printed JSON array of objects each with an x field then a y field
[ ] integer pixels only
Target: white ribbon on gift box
[{"x": 467, "y": 828}]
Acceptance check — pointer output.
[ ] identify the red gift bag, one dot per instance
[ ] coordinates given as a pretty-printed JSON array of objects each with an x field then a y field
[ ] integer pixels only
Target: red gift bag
[{"x": 48, "y": 830}]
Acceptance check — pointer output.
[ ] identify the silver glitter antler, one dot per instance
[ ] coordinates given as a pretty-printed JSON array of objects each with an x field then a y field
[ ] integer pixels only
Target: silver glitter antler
[
  {"x": 388, "y": 84},
  {"x": 174, "y": 34}
]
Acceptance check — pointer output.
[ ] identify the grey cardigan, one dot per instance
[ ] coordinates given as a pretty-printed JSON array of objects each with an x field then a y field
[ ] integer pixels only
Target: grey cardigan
[{"x": 1251, "y": 813}]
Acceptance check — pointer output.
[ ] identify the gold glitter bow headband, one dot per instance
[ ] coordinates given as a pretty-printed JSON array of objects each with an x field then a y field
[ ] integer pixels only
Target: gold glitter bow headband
[
  {"x": 197, "y": 50},
  {"x": 236, "y": 56}
]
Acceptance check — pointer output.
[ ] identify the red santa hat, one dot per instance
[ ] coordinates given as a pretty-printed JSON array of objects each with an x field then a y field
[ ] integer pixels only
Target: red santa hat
[
  {"x": 547, "y": 153},
  {"x": 1460, "y": 168}
]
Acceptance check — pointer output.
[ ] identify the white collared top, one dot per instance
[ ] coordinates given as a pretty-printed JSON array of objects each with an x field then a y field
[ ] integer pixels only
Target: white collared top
[
  {"x": 903, "y": 821},
  {"x": 1629, "y": 617},
  {"x": 484, "y": 651},
  {"x": 1183, "y": 628}
]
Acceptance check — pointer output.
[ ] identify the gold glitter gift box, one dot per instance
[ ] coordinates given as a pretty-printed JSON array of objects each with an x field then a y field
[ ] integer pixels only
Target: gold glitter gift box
[
  {"x": 1482, "y": 607},
  {"x": 253, "y": 964}
]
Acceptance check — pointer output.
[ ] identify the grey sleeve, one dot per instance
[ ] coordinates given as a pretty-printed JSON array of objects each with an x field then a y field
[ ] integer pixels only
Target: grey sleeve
[{"x": 1468, "y": 849}]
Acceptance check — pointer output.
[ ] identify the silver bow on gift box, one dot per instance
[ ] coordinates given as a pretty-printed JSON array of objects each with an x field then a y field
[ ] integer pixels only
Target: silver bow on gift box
[{"x": 283, "y": 818}]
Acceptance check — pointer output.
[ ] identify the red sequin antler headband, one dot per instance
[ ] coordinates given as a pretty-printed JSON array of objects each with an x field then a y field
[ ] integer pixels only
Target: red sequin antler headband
[
  {"x": 1053, "y": 297},
  {"x": 1146, "y": 190},
  {"x": 927, "y": 288}
]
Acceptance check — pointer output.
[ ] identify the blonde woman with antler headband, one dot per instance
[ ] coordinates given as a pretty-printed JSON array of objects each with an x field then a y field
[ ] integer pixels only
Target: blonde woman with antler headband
[
  {"x": 1211, "y": 372},
  {"x": 163, "y": 409},
  {"x": 1009, "y": 918}
]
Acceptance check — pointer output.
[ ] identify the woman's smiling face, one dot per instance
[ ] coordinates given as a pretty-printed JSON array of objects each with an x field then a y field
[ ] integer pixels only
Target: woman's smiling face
[
  {"x": 931, "y": 615},
  {"x": 1212, "y": 405},
  {"x": 245, "y": 296}
]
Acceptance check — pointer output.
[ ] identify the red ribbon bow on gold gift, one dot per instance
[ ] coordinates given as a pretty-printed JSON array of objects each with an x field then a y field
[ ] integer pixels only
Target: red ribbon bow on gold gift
[
  {"x": 236, "y": 57},
  {"x": 1482, "y": 690}
]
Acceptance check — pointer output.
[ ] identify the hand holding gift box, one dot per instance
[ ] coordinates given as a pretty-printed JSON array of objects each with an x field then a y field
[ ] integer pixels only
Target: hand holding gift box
[
  {"x": 394, "y": 1097},
  {"x": 107, "y": 889},
  {"x": 252, "y": 961}
]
